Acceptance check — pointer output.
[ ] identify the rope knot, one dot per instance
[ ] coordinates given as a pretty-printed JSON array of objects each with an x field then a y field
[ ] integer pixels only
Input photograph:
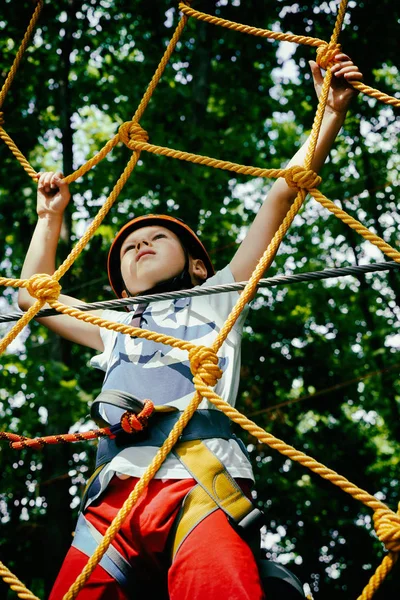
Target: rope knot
[
  {"x": 326, "y": 54},
  {"x": 387, "y": 527},
  {"x": 131, "y": 422},
  {"x": 301, "y": 178},
  {"x": 204, "y": 363},
  {"x": 43, "y": 287},
  {"x": 1, "y": 118},
  {"x": 130, "y": 132}
]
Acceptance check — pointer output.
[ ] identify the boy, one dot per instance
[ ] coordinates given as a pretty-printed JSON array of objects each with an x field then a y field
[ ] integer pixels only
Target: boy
[{"x": 151, "y": 254}]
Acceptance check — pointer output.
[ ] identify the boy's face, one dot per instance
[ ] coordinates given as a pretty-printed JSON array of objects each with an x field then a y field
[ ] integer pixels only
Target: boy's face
[{"x": 151, "y": 255}]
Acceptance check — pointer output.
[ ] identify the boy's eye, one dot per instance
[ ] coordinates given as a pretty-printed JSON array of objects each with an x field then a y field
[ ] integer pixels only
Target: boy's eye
[
  {"x": 130, "y": 247},
  {"x": 158, "y": 236}
]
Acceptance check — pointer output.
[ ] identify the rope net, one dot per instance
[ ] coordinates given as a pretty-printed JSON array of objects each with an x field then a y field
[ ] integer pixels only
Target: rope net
[{"x": 203, "y": 360}]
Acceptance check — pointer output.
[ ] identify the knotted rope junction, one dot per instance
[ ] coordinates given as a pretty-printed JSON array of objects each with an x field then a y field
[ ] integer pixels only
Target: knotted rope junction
[{"x": 204, "y": 361}]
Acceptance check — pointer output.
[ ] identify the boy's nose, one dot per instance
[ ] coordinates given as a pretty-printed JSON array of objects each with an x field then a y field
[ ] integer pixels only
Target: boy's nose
[{"x": 142, "y": 243}]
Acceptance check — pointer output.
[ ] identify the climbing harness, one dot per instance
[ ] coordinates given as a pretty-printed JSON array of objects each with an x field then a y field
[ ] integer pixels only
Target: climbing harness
[{"x": 215, "y": 488}]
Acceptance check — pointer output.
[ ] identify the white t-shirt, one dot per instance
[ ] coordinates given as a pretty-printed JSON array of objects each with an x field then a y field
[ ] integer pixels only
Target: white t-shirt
[{"x": 162, "y": 374}]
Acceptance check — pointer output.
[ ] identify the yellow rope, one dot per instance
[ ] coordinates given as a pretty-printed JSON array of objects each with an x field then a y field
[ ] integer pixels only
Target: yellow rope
[
  {"x": 63, "y": 268},
  {"x": 324, "y": 50},
  {"x": 114, "y": 141},
  {"x": 48, "y": 283},
  {"x": 15, "y": 584},
  {"x": 87, "y": 317},
  {"x": 92, "y": 162},
  {"x": 21, "y": 51},
  {"x": 286, "y": 37},
  {"x": 370, "y": 91},
  {"x": 204, "y": 361},
  {"x": 386, "y": 522},
  {"x": 264, "y": 33},
  {"x": 204, "y": 391},
  {"x": 377, "y": 578},
  {"x": 356, "y": 225},
  {"x": 104, "y": 209},
  {"x": 132, "y": 498},
  {"x": 18, "y": 327},
  {"x": 206, "y": 161},
  {"x": 9, "y": 79},
  {"x": 17, "y": 153},
  {"x": 160, "y": 69},
  {"x": 303, "y": 179}
]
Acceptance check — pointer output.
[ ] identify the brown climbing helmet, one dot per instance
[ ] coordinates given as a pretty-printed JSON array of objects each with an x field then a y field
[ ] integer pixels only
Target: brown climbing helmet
[{"x": 186, "y": 235}]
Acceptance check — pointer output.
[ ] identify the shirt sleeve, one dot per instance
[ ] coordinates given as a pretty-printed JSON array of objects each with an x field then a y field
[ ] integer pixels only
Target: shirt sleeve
[
  {"x": 223, "y": 303},
  {"x": 100, "y": 361}
]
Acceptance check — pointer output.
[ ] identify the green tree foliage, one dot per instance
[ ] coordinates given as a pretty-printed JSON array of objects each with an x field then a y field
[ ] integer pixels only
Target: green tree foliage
[{"x": 325, "y": 353}]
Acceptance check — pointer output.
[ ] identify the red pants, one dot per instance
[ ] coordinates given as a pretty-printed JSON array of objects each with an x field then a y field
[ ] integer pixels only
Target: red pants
[{"x": 213, "y": 563}]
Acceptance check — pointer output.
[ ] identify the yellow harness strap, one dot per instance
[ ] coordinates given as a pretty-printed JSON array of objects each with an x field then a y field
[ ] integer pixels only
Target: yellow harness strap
[{"x": 215, "y": 489}]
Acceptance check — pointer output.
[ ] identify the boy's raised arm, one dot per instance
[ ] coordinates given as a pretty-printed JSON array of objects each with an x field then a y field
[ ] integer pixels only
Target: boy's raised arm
[
  {"x": 281, "y": 196},
  {"x": 52, "y": 198}
]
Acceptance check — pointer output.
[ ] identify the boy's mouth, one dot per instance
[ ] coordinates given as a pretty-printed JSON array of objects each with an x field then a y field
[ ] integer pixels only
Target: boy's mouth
[{"x": 143, "y": 253}]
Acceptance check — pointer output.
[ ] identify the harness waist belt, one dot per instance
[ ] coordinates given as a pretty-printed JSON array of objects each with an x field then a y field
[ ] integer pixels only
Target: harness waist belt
[{"x": 204, "y": 424}]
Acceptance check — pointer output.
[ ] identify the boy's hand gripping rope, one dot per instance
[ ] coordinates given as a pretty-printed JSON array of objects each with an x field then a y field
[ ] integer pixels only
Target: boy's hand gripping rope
[{"x": 204, "y": 361}]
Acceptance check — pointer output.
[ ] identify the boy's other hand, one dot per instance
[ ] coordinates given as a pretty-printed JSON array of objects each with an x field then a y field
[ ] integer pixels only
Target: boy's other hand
[
  {"x": 340, "y": 92},
  {"x": 53, "y": 194}
]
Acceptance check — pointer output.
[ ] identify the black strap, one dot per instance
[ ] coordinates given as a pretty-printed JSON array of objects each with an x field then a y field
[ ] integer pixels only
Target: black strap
[
  {"x": 122, "y": 400},
  {"x": 138, "y": 314}
]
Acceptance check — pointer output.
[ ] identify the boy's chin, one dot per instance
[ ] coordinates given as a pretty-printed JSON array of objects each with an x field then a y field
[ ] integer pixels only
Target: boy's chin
[{"x": 143, "y": 288}]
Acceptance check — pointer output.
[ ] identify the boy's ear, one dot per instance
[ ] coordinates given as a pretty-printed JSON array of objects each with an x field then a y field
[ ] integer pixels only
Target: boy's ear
[
  {"x": 199, "y": 269},
  {"x": 124, "y": 294}
]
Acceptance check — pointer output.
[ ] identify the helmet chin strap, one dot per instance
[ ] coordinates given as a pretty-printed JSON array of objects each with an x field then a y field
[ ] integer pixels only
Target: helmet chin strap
[{"x": 183, "y": 281}]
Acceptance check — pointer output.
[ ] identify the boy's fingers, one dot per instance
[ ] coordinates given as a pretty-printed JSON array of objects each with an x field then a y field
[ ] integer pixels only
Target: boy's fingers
[
  {"x": 341, "y": 56},
  {"x": 353, "y": 75},
  {"x": 50, "y": 181},
  {"x": 47, "y": 180},
  {"x": 57, "y": 179},
  {"x": 341, "y": 64},
  {"x": 316, "y": 72},
  {"x": 40, "y": 177},
  {"x": 348, "y": 72}
]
